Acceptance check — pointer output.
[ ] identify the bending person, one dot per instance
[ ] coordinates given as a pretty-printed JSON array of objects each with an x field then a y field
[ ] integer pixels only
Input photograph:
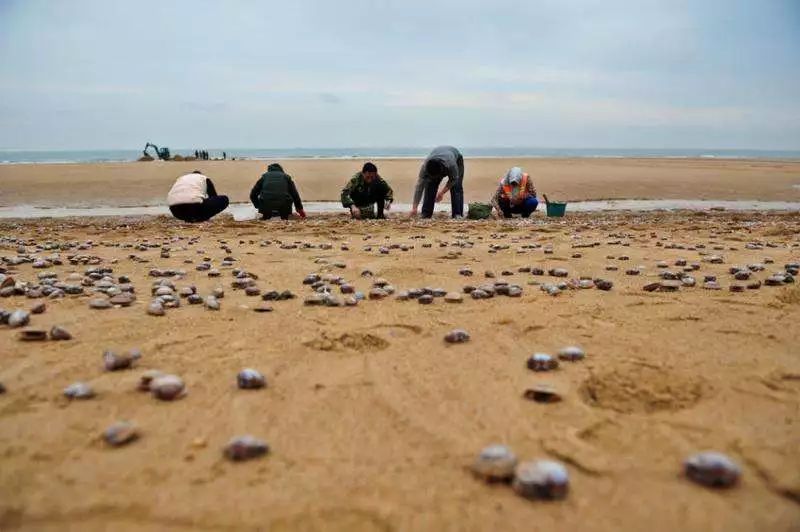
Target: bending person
[
  {"x": 366, "y": 193},
  {"x": 515, "y": 195},
  {"x": 275, "y": 192},
  {"x": 193, "y": 198},
  {"x": 444, "y": 161}
]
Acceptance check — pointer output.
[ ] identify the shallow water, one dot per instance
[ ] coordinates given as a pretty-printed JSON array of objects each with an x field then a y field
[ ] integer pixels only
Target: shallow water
[{"x": 245, "y": 211}]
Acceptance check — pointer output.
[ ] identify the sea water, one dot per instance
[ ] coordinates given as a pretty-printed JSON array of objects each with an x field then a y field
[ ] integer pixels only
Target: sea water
[{"x": 97, "y": 156}]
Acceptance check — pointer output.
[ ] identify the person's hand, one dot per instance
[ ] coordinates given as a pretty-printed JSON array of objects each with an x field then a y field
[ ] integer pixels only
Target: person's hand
[
  {"x": 302, "y": 214},
  {"x": 414, "y": 210},
  {"x": 355, "y": 211},
  {"x": 387, "y": 205},
  {"x": 440, "y": 196}
]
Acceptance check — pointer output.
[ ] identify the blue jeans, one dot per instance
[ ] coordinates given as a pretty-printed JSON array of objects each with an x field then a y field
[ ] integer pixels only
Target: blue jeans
[{"x": 525, "y": 208}]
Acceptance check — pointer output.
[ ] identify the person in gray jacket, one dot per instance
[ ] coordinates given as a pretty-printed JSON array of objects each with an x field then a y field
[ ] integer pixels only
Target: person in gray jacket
[{"x": 443, "y": 161}]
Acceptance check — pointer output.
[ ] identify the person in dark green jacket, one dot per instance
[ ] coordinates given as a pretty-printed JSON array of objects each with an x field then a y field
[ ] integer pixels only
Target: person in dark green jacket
[
  {"x": 366, "y": 193},
  {"x": 274, "y": 193}
]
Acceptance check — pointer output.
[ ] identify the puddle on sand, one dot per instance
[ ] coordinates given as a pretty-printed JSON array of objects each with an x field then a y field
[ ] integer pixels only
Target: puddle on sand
[
  {"x": 678, "y": 204},
  {"x": 245, "y": 211}
]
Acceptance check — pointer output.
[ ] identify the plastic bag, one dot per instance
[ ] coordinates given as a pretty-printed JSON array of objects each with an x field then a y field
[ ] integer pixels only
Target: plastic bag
[{"x": 479, "y": 211}]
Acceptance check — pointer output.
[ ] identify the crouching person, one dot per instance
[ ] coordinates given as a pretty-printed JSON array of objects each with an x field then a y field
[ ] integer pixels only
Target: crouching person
[
  {"x": 193, "y": 198},
  {"x": 515, "y": 195},
  {"x": 367, "y": 195},
  {"x": 274, "y": 193}
]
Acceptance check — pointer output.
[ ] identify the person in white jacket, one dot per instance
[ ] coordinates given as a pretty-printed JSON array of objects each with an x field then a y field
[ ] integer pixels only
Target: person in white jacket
[{"x": 193, "y": 198}]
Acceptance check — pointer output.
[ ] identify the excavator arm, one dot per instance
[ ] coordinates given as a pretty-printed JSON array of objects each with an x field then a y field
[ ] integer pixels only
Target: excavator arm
[{"x": 162, "y": 153}]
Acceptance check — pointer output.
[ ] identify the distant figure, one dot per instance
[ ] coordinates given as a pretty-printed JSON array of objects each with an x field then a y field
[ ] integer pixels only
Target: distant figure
[
  {"x": 274, "y": 193},
  {"x": 444, "y": 161},
  {"x": 367, "y": 192},
  {"x": 515, "y": 195},
  {"x": 196, "y": 154},
  {"x": 224, "y": 156},
  {"x": 193, "y": 198}
]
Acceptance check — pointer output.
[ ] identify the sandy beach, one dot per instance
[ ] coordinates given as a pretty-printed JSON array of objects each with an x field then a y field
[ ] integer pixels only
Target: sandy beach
[
  {"x": 625, "y": 358},
  {"x": 372, "y": 419},
  {"x": 129, "y": 184}
]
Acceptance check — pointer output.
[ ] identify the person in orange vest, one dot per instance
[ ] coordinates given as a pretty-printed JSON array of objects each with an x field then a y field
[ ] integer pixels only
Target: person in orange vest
[{"x": 515, "y": 195}]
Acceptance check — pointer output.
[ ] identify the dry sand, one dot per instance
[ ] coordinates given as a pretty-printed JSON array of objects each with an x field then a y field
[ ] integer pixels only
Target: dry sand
[
  {"x": 372, "y": 418},
  {"x": 128, "y": 184}
]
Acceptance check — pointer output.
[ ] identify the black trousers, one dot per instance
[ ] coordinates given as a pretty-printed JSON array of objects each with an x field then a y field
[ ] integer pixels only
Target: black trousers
[
  {"x": 283, "y": 211},
  {"x": 200, "y": 212},
  {"x": 456, "y": 194}
]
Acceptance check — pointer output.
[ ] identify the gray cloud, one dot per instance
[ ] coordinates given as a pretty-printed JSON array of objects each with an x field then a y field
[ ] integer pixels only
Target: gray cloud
[
  {"x": 330, "y": 98},
  {"x": 652, "y": 73}
]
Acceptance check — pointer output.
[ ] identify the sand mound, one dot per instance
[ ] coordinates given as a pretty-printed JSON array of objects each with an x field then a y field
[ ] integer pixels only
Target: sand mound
[
  {"x": 790, "y": 296},
  {"x": 333, "y": 519},
  {"x": 642, "y": 389},
  {"x": 353, "y": 341}
]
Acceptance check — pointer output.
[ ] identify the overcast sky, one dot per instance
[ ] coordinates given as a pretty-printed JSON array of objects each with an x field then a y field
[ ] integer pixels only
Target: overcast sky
[{"x": 346, "y": 73}]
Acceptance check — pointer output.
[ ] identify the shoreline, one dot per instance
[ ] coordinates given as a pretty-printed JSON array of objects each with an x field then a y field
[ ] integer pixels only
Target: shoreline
[{"x": 245, "y": 211}]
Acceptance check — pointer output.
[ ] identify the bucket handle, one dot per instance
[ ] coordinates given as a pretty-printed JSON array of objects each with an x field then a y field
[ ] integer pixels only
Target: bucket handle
[{"x": 546, "y": 201}]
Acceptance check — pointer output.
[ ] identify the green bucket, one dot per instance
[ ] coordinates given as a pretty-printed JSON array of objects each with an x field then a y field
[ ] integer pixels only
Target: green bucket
[{"x": 556, "y": 209}]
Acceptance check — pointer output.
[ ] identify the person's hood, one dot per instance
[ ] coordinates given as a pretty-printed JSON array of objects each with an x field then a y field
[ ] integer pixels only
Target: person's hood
[
  {"x": 274, "y": 167},
  {"x": 514, "y": 176}
]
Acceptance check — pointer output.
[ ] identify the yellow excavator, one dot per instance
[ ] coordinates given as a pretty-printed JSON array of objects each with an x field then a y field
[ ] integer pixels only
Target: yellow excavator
[{"x": 162, "y": 153}]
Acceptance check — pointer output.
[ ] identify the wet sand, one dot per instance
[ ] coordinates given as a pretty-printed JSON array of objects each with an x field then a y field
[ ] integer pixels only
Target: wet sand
[
  {"x": 401, "y": 211},
  {"x": 371, "y": 417},
  {"x": 130, "y": 184}
]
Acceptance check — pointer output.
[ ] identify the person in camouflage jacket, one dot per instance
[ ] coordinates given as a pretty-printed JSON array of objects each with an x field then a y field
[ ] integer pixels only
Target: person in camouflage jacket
[{"x": 366, "y": 193}]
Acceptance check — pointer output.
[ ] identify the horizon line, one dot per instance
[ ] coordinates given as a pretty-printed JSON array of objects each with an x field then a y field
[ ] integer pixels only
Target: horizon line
[{"x": 427, "y": 147}]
